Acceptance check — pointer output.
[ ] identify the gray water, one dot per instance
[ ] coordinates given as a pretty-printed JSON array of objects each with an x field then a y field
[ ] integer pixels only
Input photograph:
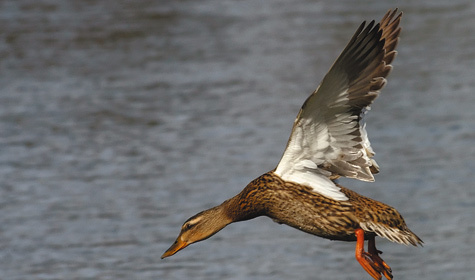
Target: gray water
[{"x": 120, "y": 119}]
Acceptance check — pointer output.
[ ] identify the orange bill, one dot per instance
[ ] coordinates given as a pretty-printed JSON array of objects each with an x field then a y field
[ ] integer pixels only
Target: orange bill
[{"x": 177, "y": 246}]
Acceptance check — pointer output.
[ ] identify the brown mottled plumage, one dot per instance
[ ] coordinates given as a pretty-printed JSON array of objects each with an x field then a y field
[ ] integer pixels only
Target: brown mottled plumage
[{"x": 327, "y": 141}]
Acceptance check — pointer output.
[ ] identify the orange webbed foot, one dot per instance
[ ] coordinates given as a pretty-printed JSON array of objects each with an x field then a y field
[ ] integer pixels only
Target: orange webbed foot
[{"x": 371, "y": 261}]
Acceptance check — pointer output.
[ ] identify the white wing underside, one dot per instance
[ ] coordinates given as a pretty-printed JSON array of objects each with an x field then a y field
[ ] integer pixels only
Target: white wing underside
[{"x": 329, "y": 138}]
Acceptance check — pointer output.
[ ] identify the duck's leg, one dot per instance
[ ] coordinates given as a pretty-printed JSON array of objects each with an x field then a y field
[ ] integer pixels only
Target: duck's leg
[
  {"x": 370, "y": 261},
  {"x": 364, "y": 258},
  {"x": 380, "y": 263}
]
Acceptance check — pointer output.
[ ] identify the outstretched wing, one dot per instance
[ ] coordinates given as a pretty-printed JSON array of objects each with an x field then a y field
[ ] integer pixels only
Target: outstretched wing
[{"x": 329, "y": 139}]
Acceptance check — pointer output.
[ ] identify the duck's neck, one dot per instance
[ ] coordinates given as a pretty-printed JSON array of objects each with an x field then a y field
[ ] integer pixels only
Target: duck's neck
[{"x": 244, "y": 206}]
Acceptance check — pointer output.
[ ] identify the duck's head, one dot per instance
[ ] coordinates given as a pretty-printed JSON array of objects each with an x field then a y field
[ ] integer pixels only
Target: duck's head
[{"x": 199, "y": 227}]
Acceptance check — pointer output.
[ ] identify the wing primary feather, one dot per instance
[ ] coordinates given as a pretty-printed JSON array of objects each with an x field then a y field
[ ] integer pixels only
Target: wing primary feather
[{"x": 329, "y": 138}]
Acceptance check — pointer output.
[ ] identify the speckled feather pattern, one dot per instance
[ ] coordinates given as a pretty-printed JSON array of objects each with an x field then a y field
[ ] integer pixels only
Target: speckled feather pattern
[{"x": 299, "y": 207}]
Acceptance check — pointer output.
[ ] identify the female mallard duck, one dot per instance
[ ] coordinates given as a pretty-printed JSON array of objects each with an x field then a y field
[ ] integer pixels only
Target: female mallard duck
[{"x": 328, "y": 140}]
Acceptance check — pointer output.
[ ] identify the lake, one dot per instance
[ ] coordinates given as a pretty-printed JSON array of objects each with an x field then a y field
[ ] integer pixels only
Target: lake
[{"x": 121, "y": 119}]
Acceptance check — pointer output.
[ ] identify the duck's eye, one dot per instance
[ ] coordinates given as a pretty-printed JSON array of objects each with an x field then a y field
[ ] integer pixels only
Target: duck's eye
[{"x": 188, "y": 226}]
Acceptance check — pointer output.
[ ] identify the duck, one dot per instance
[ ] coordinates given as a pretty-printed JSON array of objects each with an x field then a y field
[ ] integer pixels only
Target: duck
[{"x": 328, "y": 141}]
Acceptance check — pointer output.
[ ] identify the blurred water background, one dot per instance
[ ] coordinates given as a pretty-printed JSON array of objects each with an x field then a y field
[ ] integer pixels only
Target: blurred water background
[{"x": 120, "y": 119}]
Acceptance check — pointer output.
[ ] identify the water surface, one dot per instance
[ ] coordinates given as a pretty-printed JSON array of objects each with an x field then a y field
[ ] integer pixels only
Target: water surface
[{"x": 120, "y": 119}]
